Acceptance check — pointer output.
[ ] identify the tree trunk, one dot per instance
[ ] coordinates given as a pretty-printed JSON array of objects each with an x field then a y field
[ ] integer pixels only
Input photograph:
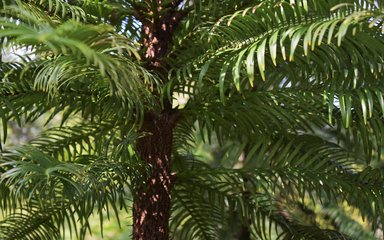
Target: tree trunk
[
  {"x": 152, "y": 202},
  {"x": 244, "y": 232}
]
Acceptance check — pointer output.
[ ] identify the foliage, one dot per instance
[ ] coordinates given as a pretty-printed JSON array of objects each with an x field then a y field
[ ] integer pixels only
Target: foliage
[{"x": 289, "y": 90}]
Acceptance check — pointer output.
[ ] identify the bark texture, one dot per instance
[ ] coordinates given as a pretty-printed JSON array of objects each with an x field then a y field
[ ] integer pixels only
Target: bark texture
[
  {"x": 157, "y": 33},
  {"x": 244, "y": 232},
  {"x": 152, "y": 203},
  {"x": 151, "y": 209}
]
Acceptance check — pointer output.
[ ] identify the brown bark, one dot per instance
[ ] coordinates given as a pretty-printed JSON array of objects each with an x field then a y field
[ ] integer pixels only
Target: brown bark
[
  {"x": 244, "y": 232},
  {"x": 152, "y": 201},
  {"x": 151, "y": 208},
  {"x": 157, "y": 33}
]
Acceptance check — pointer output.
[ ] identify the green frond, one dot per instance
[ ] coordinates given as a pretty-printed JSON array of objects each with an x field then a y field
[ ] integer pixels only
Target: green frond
[
  {"x": 23, "y": 104},
  {"x": 266, "y": 184},
  {"x": 114, "y": 57},
  {"x": 249, "y": 45},
  {"x": 55, "y": 8},
  {"x": 88, "y": 98},
  {"x": 123, "y": 15},
  {"x": 40, "y": 174},
  {"x": 311, "y": 233},
  {"x": 287, "y": 94},
  {"x": 201, "y": 12},
  {"x": 347, "y": 225},
  {"x": 68, "y": 142},
  {"x": 193, "y": 213},
  {"x": 67, "y": 193},
  {"x": 281, "y": 168},
  {"x": 260, "y": 112},
  {"x": 183, "y": 137},
  {"x": 354, "y": 114},
  {"x": 27, "y": 226}
]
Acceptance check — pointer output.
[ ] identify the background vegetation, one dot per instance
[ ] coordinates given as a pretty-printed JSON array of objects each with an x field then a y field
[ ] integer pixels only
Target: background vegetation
[{"x": 210, "y": 119}]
